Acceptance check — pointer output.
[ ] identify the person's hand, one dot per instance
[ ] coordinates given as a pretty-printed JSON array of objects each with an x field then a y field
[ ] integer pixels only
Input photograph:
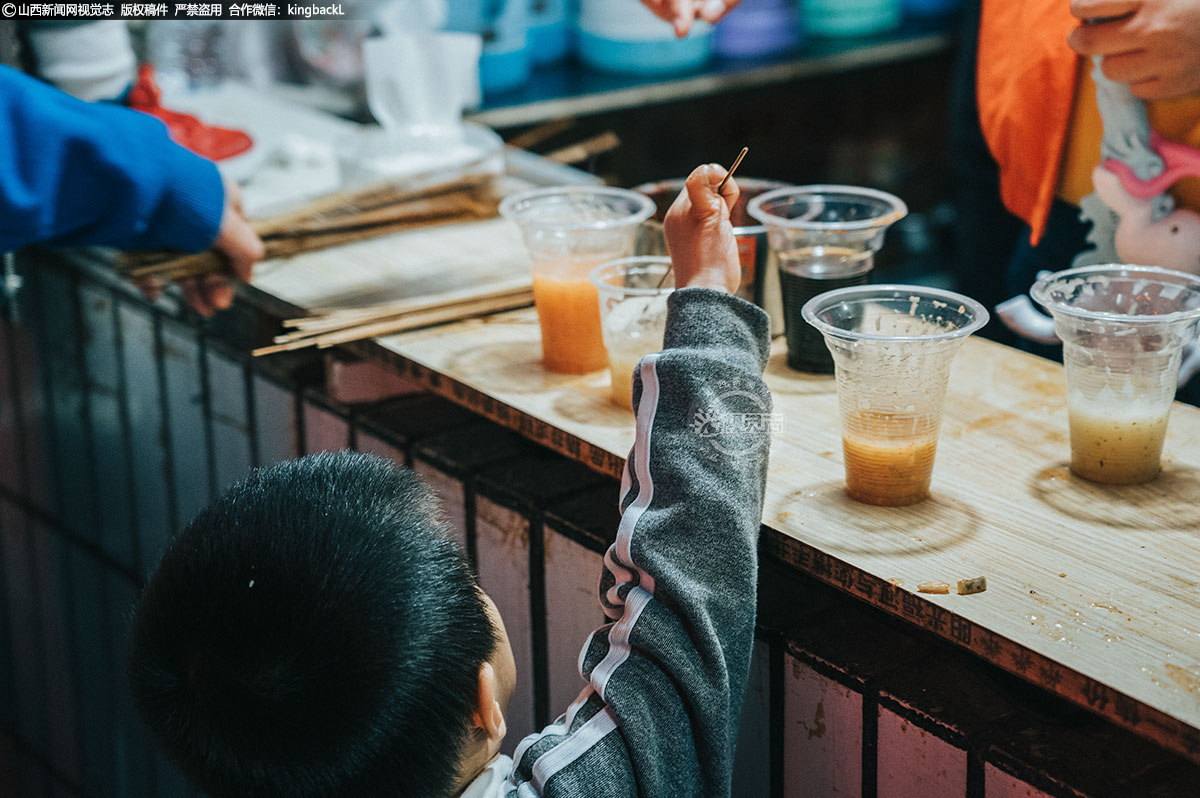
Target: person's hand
[
  {"x": 700, "y": 234},
  {"x": 239, "y": 243},
  {"x": 1151, "y": 45},
  {"x": 242, "y": 247},
  {"x": 681, "y": 13}
]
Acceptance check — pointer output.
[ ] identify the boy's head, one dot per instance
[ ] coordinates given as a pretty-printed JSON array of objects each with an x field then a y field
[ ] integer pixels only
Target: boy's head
[{"x": 314, "y": 632}]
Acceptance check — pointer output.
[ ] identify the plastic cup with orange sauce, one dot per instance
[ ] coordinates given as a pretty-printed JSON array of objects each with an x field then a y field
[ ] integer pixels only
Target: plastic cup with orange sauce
[
  {"x": 892, "y": 347},
  {"x": 569, "y": 231}
]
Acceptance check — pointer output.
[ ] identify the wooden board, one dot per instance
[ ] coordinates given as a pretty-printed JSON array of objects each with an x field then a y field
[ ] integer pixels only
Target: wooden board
[{"x": 1092, "y": 591}]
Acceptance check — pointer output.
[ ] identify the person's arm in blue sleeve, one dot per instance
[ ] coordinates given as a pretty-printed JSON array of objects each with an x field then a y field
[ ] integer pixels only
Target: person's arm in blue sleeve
[{"x": 75, "y": 173}]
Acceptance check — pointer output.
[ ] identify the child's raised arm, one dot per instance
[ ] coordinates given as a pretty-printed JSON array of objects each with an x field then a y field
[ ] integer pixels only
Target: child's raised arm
[{"x": 665, "y": 680}]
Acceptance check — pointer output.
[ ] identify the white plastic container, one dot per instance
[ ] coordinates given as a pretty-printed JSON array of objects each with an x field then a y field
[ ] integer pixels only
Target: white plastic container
[
  {"x": 416, "y": 157},
  {"x": 506, "y": 62}
]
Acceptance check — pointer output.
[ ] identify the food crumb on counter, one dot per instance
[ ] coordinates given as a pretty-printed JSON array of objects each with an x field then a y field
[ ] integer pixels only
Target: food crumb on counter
[
  {"x": 897, "y": 581},
  {"x": 968, "y": 586},
  {"x": 934, "y": 587}
]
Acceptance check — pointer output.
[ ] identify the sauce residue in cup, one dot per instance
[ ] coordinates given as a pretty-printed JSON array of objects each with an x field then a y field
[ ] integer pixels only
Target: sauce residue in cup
[
  {"x": 622, "y": 364},
  {"x": 1116, "y": 447},
  {"x": 889, "y": 457}
]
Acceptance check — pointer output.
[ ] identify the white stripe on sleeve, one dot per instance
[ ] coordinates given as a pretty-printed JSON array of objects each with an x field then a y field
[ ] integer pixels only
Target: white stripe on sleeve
[
  {"x": 618, "y": 639},
  {"x": 561, "y": 726},
  {"x": 576, "y": 746},
  {"x": 647, "y": 411},
  {"x": 636, "y": 599}
]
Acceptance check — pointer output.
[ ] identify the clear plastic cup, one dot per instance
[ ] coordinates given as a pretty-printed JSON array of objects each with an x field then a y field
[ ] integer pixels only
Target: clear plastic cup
[
  {"x": 569, "y": 231},
  {"x": 1123, "y": 330},
  {"x": 824, "y": 238},
  {"x": 892, "y": 346},
  {"x": 633, "y": 315}
]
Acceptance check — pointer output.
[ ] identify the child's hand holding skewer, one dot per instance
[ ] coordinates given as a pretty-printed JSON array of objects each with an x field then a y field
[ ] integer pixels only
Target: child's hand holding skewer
[{"x": 700, "y": 234}]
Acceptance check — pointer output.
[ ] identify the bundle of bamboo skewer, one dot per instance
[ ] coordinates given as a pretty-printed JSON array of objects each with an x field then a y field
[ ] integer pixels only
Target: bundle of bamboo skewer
[
  {"x": 335, "y": 220},
  {"x": 328, "y": 328}
]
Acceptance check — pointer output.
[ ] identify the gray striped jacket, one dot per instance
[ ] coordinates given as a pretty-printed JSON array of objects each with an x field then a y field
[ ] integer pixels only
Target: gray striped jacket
[{"x": 664, "y": 680}]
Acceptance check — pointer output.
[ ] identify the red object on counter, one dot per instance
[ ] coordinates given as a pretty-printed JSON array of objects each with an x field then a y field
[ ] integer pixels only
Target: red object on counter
[{"x": 210, "y": 141}]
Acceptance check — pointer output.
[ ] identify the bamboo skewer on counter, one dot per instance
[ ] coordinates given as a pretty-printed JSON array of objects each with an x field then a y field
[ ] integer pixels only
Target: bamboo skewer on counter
[
  {"x": 353, "y": 324},
  {"x": 588, "y": 148},
  {"x": 335, "y": 220},
  {"x": 340, "y": 317},
  {"x": 182, "y": 267}
]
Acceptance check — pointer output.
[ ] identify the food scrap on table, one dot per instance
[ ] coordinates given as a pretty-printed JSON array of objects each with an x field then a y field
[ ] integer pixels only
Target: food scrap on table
[{"x": 968, "y": 586}]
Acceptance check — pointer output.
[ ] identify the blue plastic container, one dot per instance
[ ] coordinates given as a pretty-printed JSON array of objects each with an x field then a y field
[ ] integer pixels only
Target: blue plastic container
[
  {"x": 505, "y": 63},
  {"x": 850, "y": 17},
  {"x": 551, "y": 31},
  {"x": 651, "y": 57},
  {"x": 624, "y": 36}
]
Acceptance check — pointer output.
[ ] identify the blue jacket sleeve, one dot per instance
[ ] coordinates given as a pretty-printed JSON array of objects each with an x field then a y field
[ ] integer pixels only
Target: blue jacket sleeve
[{"x": 76, "y": 173}]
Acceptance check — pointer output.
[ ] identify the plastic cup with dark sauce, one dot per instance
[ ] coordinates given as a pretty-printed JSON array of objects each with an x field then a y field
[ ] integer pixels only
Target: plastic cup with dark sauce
[{"x": 823, "y": 238}]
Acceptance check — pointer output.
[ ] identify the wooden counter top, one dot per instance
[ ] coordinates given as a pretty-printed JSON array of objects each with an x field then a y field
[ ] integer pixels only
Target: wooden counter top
[{"x": 1093, "y": 592}]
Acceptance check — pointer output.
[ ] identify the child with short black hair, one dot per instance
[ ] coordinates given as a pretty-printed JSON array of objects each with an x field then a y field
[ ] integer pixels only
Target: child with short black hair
[{"x": 314, "y": 632}]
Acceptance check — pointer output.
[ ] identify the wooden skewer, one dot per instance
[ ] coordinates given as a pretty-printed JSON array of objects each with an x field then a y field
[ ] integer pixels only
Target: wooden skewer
[
  {"x": 512, "y": 300},
  {"x": 736, "y": 163},
  {"x": 411, "y": 304},
  {"x": 374, "y": 196},
  {"x": 543, "y": 132},
  {"x": 416, "y": 320},
  {"x": 371, "y": 210},
  {"x": 347, "y": 320},
  {"x": 185, "y": 266},
  {"x": 586, "y": 149},
  {"x": 720, "y": 187},
  {"x": 401, "y": 324},
  {"x": 391, "y": 213}
]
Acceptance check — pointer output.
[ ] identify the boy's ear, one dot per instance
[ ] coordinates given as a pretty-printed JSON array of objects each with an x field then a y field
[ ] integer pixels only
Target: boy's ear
[{"x": 488, "y": 716}]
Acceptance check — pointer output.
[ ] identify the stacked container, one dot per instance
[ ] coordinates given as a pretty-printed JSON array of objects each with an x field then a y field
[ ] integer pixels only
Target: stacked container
[
  {"x": 505, "y": 63},
  {"x": 851, "y": 17},
  {"x": 551, "y": 30},
  {"x": 759, "y": 29},
  {"x": 624, "y": 36}
]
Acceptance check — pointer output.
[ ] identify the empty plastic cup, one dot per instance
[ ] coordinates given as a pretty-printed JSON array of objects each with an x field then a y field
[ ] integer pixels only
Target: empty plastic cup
[
  {"x": 633, "y": 315},
  {"x": 823, "y": 237},
  {"x": 569, "y": 231},
  {"x": 1123, "y": 329},
  {"x": 892, "y": 346}
]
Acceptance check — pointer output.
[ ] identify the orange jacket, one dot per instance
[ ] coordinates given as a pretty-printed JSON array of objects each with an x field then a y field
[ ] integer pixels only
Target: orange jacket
[{"x": 1025, "y": 84}]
